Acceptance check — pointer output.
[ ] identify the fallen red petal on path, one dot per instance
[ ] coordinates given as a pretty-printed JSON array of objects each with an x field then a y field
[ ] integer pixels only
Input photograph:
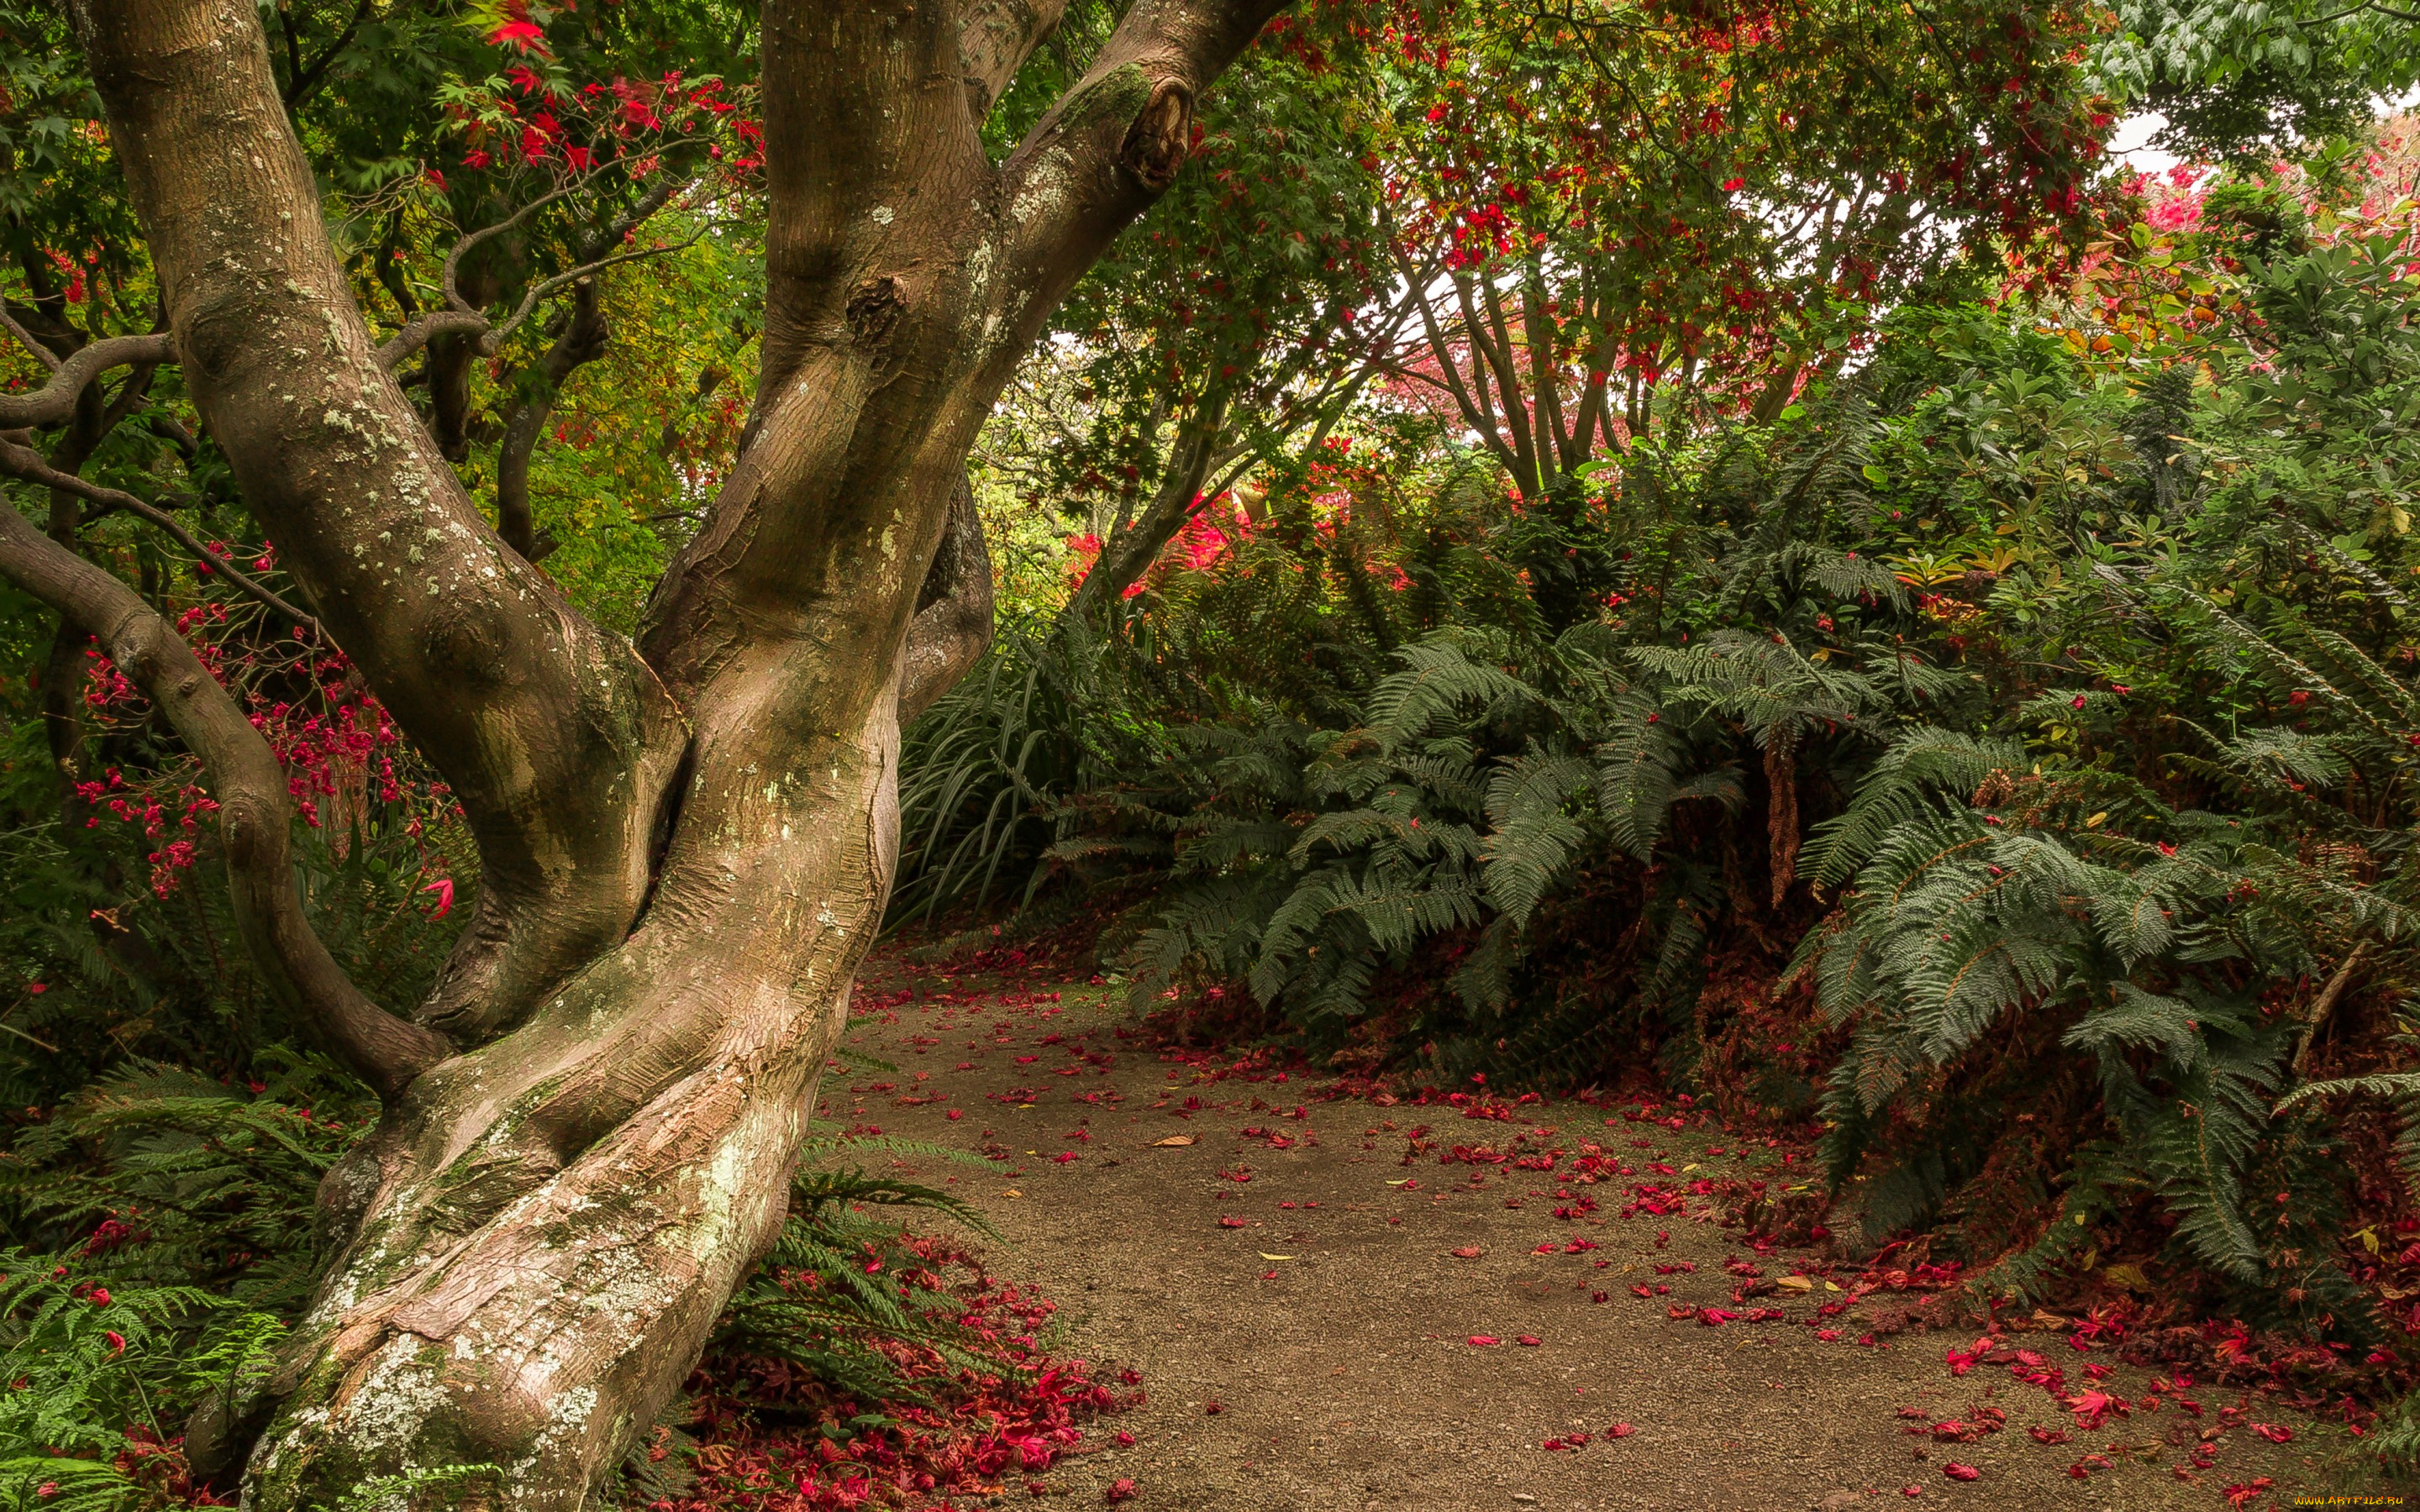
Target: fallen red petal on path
[
  {"x": 1468, "y": 1251},
  {"x": 1619, "y": 1430},
  {"x": 1530, "y": 1339},
  {"x": 1121, "y": 1488},
  {"x": 1484, "y": 1339},
  {"x": 1957, "y": 1472}
]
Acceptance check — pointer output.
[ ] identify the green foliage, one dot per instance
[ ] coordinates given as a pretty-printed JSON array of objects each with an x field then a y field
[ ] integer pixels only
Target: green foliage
[{"x": 835, "y": 1297}]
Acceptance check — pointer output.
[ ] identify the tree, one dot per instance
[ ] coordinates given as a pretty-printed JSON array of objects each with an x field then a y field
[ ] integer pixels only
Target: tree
[{"x": 685, "y": 841}]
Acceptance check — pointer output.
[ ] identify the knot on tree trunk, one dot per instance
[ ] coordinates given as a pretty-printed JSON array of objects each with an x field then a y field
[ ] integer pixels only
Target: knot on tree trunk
[
  {"x": 874, "y": 307},
  {"x": 1157, "y": 144}
]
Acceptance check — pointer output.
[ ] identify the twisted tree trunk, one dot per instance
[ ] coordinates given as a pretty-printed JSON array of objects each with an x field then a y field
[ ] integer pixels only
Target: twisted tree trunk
[{"x": 685, "y": 843}]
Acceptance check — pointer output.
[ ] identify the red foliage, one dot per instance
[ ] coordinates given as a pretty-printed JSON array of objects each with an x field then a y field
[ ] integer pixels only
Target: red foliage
[{"x": 774, "y": 1438}]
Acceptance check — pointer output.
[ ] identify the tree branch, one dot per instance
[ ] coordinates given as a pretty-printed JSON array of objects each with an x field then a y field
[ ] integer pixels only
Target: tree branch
[
  {"x": 54, "y": 401},
  {"x": 1113, "y": 142},
  {"x": 953, "y": 610},
  {"x": 426, "y": 326},
  {"x": 26, "y": 463},
  {"x": 556, "y": 738},
  {"x": 41, "y": 353},
  {"x": 385, "y": 1051},
  {"x": 581, "y": 340},
  {"x": 994, "y": 40},
  {"x": 1129, "y": 552},
  {"x": 303, "y": 81}
]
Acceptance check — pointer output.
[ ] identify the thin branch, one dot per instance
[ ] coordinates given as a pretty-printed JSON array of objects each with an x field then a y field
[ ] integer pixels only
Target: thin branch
[
  {"x": 26, "y": 463},
  {"x": 301, "y": 85},
  {"x": 49, "y": 359},
  {"x": 424, "y": 327},
  {"x": 2360, "y": 5},
  {"x": 447, "y": 277},
  {"x": 494, "y": 339}
]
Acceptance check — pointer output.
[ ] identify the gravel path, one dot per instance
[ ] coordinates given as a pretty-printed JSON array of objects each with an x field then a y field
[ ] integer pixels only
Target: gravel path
[{"x": 1307, "y": 1333}]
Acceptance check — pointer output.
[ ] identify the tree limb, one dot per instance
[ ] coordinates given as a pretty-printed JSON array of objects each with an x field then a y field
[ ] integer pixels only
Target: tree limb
[
  {"x": 1129, "y": 552},
  {"x": 26, "y": 463},
  {"x": 41, "y": 352},
  {"x": 54, "y": 401},
  {"x": 385, "y": 1051},
  {"x": 1113, "y": 142},
  {"x": 994, "y": 40},
  {"x": 303, "y": 79},
  {"x": 426, "y": 326},
  {"x": 556, "y": 738},
  {"x": 581, "y": 340},
  {"x": 953, "y": 610}
]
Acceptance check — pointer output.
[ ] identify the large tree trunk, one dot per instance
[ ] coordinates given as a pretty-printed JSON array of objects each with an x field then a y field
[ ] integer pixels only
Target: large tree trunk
[{"x": 588, "y": 1136}]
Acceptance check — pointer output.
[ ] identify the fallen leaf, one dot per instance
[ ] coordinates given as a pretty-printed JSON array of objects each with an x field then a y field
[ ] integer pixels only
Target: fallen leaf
[
  {"x": 1276, "y": 1257},
  {"x": 1795, "y": 1283},
  {"x": 1011, "y": 1192},
  {"x": 1171, "y": 1139},
  {"x": 1468, "y": 1251},
  {"x": 1231, "y": 1223}
]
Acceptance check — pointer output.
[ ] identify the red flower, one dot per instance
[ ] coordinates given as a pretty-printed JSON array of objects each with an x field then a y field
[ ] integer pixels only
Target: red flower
[
  {"x": 444, "y": 887},
  {"x": 1485, "y": 1340},
  {"x": 2079, "y": 700},
  {"x": 1957, "y": 1472},
  {"x": 116, "y": 1341},
  {"x": 1732, "y": 183},
  {"x": 1120, "y": 1489}
]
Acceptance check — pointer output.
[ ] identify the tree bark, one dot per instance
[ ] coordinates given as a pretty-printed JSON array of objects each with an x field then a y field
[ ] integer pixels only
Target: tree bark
[{"x": 536, "y": 1238}]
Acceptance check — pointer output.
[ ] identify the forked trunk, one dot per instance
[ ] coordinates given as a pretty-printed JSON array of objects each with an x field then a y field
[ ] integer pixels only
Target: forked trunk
[
  {"x": 546, "y": 1231},
  {"x": 685, "y": 845}
]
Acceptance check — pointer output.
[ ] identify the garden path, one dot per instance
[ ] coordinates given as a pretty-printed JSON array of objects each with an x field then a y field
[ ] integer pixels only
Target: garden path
[{"x": 1308, "y": 1337}]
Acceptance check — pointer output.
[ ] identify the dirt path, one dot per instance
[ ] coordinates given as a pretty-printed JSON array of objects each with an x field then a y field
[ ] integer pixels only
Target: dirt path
[{"x": 1320, "y": 1356}]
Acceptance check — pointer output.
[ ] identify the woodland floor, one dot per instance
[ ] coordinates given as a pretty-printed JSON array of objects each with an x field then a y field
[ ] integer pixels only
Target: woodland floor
[{"x": 1333, "y": 1330}]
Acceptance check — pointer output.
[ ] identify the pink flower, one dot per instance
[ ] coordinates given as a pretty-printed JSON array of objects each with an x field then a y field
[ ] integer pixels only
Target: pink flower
[
  {"x": 116, "y": 1341},
  {"x": 444, "y": 887}
]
